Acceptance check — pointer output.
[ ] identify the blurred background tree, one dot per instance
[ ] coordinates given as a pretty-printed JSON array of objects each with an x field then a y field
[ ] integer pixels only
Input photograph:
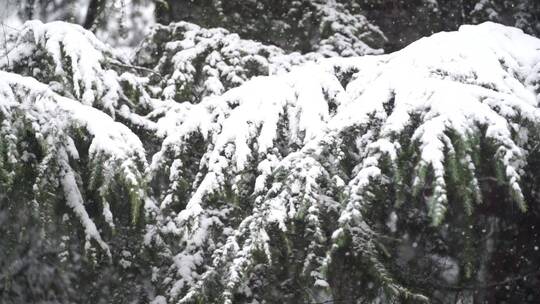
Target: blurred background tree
[{"x": 299, "y": 25}]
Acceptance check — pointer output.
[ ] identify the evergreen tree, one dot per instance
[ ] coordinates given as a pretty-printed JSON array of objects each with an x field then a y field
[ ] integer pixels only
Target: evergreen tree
[{"x": 209, "y": 168}]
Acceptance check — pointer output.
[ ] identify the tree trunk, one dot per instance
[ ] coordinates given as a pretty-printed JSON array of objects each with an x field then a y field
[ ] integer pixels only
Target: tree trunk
[
  {"x": 162, "y": 11},
  {"x": 29, "y": 9},
  {"x": 94, "y": 10}
]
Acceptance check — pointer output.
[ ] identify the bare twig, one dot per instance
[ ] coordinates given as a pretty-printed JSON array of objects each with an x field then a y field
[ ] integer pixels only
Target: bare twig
[
  {"x": 5, "y": 44},
  {"x": 133, "y": 67},
  {"x": 485, "y": 286},
  {"x": 11, "y": 27}
]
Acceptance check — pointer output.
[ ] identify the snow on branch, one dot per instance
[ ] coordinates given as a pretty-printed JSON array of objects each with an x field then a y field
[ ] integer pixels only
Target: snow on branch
[
  {"x": 57, "y": 123},
  {"x": 434, "y": 102},
  {"x": 197, "y": 62}
]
